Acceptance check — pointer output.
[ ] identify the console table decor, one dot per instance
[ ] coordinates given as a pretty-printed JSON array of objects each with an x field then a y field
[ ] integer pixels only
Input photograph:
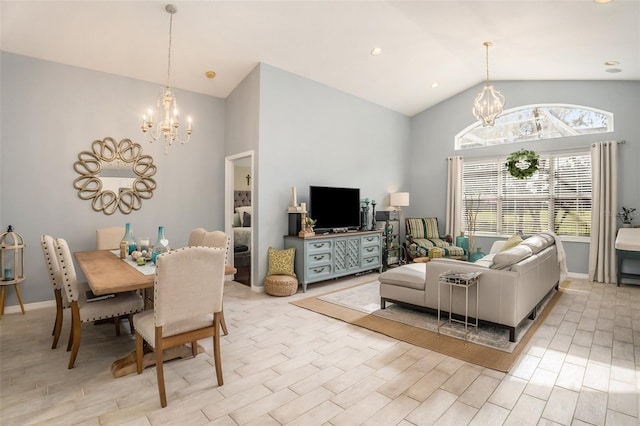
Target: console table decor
[{"x": 327, "y": 256}]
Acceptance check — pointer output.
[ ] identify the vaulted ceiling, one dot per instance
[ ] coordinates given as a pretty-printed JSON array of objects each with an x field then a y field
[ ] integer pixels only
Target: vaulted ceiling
[{"x": 422, "y": 42}]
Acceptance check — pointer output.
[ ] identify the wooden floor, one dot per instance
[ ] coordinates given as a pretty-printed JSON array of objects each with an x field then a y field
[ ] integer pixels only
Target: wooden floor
[{"x": 287, "y": 365}]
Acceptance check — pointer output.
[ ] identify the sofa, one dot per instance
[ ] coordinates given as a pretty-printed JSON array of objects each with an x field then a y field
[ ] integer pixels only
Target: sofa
[
  {"x": 512, "y": 282},
  {"x": 422, "y": 235}
]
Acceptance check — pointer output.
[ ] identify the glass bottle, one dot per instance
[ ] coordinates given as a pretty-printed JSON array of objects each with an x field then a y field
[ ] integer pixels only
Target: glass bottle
[
  {"x": 128, "y": 237},
  {"x": 161, "y": 245}
]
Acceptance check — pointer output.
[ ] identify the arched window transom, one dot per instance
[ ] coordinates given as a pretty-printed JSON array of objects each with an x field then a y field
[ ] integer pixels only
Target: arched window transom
[{"x": 536, "y": 122}]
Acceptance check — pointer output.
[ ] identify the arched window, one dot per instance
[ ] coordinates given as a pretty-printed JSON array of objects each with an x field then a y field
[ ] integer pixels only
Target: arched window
[{"x": 535, "y": 122}]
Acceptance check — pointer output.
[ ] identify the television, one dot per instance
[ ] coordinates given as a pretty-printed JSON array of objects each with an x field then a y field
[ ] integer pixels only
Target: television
[{"x": 334, "y": 208}]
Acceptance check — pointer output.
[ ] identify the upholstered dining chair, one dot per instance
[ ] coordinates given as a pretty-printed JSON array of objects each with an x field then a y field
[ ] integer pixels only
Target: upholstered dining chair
[
  {"x": 109, "y": 238},
  {"x": 196, "y": 236},
  {"x": 48, "y": 245},
  {"x": 221, "y": 240},
  {"x": 188, "y": 289},
  {"x": 82, "y": 311}
]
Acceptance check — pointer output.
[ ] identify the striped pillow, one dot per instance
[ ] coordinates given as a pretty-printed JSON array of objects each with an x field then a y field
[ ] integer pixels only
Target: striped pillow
[{"x": 423, "y": 227}]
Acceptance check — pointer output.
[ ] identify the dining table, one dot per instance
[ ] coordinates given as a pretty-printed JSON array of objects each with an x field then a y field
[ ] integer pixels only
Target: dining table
[{"x": 107, "y": 273}]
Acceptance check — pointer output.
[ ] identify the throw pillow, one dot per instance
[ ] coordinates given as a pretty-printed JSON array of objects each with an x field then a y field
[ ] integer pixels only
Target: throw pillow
[
  {"x": 281, "y": 261},
  {"x": 512, "y": 242},
  {"x": 246, "y": 220}
]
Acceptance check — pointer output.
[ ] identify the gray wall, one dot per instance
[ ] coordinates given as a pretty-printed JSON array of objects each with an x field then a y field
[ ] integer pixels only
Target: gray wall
[
  {"x": 311, "y": 134},
  {"x": 51, "y": 112},
  {"x": 302, "y": 132},
  {"x": 433, "y": 131}
]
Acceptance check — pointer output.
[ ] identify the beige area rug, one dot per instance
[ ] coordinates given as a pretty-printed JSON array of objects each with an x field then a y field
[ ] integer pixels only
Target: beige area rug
[{"x": 488, "y": 347}]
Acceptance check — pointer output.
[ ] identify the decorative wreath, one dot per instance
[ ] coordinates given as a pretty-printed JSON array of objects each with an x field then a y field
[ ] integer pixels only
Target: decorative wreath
[{"x": 522, "y": 164}]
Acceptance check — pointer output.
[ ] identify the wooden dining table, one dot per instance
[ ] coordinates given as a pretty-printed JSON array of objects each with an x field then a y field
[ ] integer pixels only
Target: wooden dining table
[{"x": 106, "y": 273}]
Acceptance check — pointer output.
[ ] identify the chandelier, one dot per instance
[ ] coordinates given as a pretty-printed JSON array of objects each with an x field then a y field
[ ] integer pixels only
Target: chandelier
[
  {"x": 166, "y": 108},
  {"x": 489, "y": 103}
]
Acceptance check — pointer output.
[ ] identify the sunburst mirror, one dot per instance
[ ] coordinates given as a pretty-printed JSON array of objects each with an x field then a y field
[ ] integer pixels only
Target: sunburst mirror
[{"x": 115, "y": 176}]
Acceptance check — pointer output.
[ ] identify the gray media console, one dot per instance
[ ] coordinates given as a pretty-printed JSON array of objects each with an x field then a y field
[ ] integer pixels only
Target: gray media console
[{"x": 323, "y": 257}]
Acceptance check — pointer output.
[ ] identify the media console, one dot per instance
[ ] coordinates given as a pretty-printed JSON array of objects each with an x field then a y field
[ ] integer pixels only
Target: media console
[{"x": 328, "y": 256}]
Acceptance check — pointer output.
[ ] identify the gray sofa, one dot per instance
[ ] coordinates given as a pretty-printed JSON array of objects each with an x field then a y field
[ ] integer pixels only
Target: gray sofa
[{"x": 511, "y": 285}]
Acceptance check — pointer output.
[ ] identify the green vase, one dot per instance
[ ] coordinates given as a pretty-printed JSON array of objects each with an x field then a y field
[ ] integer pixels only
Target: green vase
[
  {"x": 477, "y": 255},
  {"x": 463, "y": 242}
]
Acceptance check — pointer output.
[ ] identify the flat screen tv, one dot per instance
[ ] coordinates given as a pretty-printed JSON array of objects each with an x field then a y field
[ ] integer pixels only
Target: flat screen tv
[{"x": 334, "y": 208}]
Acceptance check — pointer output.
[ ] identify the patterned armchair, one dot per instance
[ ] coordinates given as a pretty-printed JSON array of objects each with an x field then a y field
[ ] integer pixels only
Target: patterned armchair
[{"x": 422, "y": 234}]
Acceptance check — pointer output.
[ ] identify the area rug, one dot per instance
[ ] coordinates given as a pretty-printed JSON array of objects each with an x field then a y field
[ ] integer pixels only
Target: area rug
[{"x": 488, "y": 347}]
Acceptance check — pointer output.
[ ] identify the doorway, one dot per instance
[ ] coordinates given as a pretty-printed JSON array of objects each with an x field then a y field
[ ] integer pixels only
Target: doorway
[{"x": 239, "y": 214}]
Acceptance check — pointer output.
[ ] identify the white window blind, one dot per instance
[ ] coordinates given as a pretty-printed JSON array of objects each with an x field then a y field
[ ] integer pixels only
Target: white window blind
[{"x": 557, "y": 197}]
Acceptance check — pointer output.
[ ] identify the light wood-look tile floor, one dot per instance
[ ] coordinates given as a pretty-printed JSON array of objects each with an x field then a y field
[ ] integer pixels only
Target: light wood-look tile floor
[{"x": 286, "y": 365}]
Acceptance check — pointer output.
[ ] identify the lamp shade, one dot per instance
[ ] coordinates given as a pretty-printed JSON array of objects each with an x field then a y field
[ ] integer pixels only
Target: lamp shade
[{"x": 399, "y": 199}]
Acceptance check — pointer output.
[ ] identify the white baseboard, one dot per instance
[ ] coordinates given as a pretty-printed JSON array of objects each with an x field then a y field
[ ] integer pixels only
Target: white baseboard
[
  {"x": 13, "y": 309},
  {"x": 578, "y": 275}
]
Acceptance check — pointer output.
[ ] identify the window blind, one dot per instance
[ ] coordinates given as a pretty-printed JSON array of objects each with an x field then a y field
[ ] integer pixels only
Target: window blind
[{"x": 557, "y": 197}]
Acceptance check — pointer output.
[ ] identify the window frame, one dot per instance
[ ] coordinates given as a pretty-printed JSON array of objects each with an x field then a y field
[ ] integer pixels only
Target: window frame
[{"x": 510, "y": 117}]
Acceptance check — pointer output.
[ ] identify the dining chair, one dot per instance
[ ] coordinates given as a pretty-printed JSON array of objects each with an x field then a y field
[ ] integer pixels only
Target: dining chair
[
  {"x": 82, "y": 311},
  {"x": 188, "y": 289},
  {"x": 221, "y": 240},
  {"x": 109, "y": 238},
  {"x": 196, "y": 236},
  {"x": 48, "y": 245}
]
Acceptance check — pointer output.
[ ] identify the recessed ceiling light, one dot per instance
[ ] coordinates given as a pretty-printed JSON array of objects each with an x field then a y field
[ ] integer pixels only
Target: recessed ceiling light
[
  {"x": 376, "y": 51},
  {"x": 602, "y": 1},
  {"x": 611, "y": 63},
  {"x": 210, "y": 74},
  {"x": 613, "y": 70},
  {"x": 435, "y": 84}
]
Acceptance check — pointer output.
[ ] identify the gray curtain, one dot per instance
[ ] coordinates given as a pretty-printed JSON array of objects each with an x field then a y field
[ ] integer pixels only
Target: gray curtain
[
  {"x": 604, "y": 180},
  {"x": 453, "y": 220}
]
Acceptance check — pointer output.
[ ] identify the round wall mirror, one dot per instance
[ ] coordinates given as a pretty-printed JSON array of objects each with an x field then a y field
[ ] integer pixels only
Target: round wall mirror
[{"x": 115, "y": 176}]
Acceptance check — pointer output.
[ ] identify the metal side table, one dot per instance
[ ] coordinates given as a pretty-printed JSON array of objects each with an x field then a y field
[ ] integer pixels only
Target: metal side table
[{"x": 463, "y": 280}]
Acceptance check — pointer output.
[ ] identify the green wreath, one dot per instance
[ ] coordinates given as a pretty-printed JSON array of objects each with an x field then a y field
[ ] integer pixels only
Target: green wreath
[{"x": 515, "y": 161}]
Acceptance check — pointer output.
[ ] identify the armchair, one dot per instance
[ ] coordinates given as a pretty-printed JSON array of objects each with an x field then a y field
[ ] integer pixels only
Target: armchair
[{"x": 422, "y": 234}]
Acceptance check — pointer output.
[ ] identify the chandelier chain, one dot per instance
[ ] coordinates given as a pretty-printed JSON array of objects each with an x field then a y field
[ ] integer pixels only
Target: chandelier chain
[{"x": 169, "y": 58}]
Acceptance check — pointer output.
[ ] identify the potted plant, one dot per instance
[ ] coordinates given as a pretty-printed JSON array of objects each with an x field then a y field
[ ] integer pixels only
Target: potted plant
[{"x": 626, "y": 216}]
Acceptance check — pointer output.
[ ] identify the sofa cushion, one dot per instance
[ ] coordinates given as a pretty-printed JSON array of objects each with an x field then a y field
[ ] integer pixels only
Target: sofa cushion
[
  {"x": 412, "y": 275},
  {"x": 505, "y": 259},
  {"x": 539, "y": 242},
  {"x": 486, "y": 261}
]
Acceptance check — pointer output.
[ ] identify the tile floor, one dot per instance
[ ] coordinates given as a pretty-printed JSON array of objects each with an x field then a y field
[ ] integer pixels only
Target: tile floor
[{"x": 286, "y": 365}]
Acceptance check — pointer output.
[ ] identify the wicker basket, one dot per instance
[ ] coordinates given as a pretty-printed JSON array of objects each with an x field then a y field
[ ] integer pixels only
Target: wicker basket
[{"x": 280, "y": 285}]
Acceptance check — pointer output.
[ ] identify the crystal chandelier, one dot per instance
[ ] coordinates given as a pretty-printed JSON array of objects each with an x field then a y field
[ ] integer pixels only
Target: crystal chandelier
[
  {"x": 489, "y": 103},
  {"x": 166, "y": 108}
]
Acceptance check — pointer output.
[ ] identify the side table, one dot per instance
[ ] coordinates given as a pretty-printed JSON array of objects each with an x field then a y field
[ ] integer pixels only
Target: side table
[
  {"x": 627, "y": 246},
  {"x": 463, "y": 280}
]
